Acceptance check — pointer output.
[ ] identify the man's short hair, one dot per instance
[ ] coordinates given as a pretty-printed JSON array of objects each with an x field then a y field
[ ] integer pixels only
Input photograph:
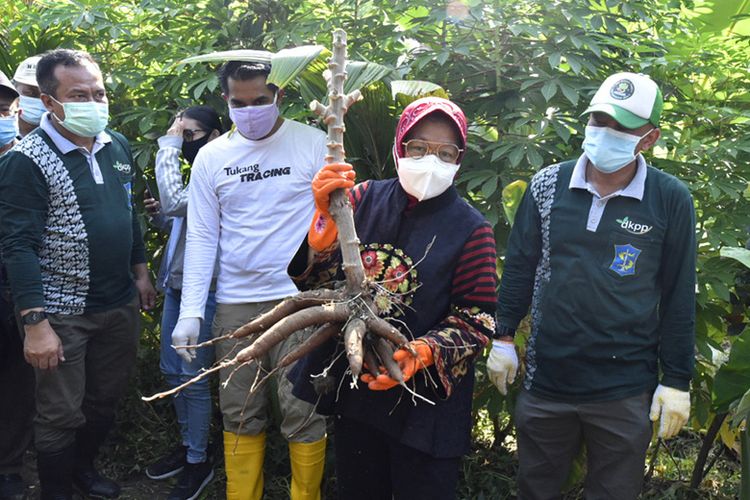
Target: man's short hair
[
  {"x": 243, "y": 70},
  {"x": 45, "y": 68}
]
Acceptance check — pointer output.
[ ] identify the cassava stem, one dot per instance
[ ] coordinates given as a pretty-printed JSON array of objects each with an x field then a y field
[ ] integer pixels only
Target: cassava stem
[{"x": 333, "y": 116}]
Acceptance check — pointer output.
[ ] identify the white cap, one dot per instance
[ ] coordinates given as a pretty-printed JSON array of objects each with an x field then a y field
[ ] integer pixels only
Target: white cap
[
  {"x": 633, "y": 99},
  {"x": 26, "y": 71}
]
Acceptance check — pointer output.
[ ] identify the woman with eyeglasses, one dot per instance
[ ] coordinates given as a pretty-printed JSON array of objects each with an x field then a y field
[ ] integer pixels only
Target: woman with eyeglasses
[
  {"x": 191, "y": 129},
  {"x": 433, "y": 257}
]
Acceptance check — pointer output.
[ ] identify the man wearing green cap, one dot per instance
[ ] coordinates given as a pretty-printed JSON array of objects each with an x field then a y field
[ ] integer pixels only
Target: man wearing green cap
[{"x": 603, "y": 250}]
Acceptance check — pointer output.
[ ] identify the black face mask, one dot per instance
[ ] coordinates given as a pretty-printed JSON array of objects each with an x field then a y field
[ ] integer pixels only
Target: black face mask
[{"x": 190, "y": 149}]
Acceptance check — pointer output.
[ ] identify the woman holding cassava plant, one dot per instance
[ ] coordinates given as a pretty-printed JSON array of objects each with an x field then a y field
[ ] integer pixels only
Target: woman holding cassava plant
[{"x": 403, "y": 426}]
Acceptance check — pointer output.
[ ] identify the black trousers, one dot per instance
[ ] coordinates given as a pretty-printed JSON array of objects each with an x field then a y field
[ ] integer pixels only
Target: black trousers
[
  {"x": 373, "y": 466},
  {"x": 100, "y": 352},
  {"x": 16, "y": 392}
]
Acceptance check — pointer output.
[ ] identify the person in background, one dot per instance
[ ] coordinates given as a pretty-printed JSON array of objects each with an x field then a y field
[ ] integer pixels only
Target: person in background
[
  {"x": 8, "y": 114},
  {"x": 30, "y": 105},
  {"x": 76, "y": 263},
  {"x": 603, "y": 249},
  {"x": 191, "y": 130},
  {"x": 16, "y": 376},
  {"x": 434, "y": 256}
]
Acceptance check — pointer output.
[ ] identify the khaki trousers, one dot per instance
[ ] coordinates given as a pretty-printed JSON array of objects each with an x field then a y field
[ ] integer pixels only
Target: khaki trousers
[{"x": 246, "y": 413}]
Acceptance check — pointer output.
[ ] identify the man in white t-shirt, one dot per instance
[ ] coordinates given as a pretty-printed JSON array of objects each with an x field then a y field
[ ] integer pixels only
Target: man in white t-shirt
[{"x": 250, "y": 199}]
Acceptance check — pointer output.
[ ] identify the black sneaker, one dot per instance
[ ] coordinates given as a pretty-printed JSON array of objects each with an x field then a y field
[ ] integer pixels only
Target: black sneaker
[
  {"x": 193, "y": 479},
  {"x": 91, "y": 484},
  {"x": 169, "y": 465},
  {"x": 11, "y": 487}
]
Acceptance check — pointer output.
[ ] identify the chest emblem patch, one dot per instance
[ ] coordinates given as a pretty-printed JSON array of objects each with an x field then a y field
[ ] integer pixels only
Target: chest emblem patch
[{"x": 625, "y": 258}]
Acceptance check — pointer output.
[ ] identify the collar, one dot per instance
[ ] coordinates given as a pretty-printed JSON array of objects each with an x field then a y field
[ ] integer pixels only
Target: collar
[
  {"x": 633, "y": 190},
  {"x": 63, "y": 144}
]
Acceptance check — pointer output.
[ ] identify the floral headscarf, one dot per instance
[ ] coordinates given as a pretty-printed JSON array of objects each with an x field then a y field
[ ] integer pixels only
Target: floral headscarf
[{"x": 420, "y": 108}]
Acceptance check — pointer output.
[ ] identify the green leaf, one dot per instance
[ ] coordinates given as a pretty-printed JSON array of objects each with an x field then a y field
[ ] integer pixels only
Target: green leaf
[
  {"x": 489, "y": 187},
  {"x": 512, "y": 195},
  {"x": 415, "y": 88},
  {"x": 742, "y": 412},
  {"x": 360, "y": 74},
  {"x": 442, "y": 57},
  {"x": 549, "y": 90},
  {"x": 516, "y": 155},
  {"x": 288, "y": 63},
  {"x": 535, "y": 159},
  {"x": 261, "y": 56},
  {"x": 570, "y": 94},
  {"x": 737, "y": 253},
  {"x": 733, "y": 378},
  {"x": 554, "y": 60},
  {"x": 574, "y": 63}
]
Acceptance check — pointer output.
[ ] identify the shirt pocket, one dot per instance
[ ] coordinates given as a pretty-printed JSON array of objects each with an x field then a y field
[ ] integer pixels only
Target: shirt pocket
[{"x": 630, "y": 257}]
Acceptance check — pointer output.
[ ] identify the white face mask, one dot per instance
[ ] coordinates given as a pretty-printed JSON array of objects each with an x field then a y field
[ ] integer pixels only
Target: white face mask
[{"x": 425, "y": 177}]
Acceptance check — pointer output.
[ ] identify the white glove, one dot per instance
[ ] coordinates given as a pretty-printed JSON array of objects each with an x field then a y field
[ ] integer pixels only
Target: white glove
[
  {"x": 185, "y": 333},
  {"x": 673, "y": 405},
  {"x": 502, "y": 364}
]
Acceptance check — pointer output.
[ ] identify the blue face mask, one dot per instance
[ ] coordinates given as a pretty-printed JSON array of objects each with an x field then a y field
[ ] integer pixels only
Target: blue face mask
[
  {"x": 32, "y": 109},
  {"x": 609, "y": 150},
  {"x": 8, "y": 129}
]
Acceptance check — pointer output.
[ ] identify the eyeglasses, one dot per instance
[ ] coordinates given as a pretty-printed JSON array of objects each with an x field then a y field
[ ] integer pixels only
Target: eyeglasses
[
  {"x": 189, "y": 135},
  {"x": 417, "y": 148}
]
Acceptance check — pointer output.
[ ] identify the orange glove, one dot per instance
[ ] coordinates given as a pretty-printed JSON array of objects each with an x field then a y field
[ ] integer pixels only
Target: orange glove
[
  {"x": 408, "y": 363},
  {"x": 328, "y": 179},
  {"x": 323, "y": 230}
]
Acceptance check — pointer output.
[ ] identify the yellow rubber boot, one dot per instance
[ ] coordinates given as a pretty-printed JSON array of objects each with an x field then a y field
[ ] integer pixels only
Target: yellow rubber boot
[
  {"x": 243, "y": 460},
  {"x": 307, "y": 461}
]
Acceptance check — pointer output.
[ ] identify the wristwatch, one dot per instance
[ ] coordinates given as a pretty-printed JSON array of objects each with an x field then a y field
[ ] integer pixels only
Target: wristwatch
[
  {"x": 502, "y": 331},
  {"x": 33, "y": 317}
]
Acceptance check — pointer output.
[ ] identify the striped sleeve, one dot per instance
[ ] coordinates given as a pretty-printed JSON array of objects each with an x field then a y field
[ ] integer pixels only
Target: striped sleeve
[
  {"x": 475, "y": 279},
  {"x": 172, "y": 192},
  {"x": 356, "y": 193},
  {"x": 461, "y": 336}
]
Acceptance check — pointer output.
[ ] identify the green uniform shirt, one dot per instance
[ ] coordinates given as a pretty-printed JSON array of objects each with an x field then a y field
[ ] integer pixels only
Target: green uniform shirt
[
  {"x": 611, "y": 284},
  {"x": 69, "y": 232}
]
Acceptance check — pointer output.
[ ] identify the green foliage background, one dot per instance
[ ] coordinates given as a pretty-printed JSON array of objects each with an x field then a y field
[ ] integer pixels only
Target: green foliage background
[{"x": 523, "y": 70}]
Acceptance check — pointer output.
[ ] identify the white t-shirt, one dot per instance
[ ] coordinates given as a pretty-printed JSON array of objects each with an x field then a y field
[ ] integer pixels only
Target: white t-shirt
[{"x": 252, "y": 201}]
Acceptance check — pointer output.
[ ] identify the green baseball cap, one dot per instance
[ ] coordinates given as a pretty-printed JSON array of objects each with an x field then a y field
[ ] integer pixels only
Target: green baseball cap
[{"x": 633, "y": 99}]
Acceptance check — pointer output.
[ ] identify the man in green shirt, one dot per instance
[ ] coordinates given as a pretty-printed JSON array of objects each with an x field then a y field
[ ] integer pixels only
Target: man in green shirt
[
  {"x": 603, "y": 250},
  {"x": 76, "y": 264}
]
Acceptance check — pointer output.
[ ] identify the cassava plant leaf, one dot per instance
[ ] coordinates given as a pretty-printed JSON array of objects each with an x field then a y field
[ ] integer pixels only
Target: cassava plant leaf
[
  {"x": 286, "y": 64},
  {"x": 737, "y": 253},
  {"x": 414, "y": 89}
]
